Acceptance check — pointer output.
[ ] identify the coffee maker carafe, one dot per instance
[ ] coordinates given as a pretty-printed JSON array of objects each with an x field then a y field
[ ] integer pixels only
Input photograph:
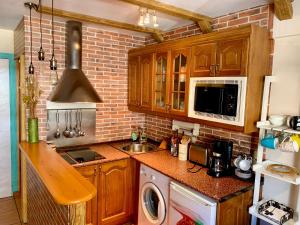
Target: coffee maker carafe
[{"x": 220, "y": 158}]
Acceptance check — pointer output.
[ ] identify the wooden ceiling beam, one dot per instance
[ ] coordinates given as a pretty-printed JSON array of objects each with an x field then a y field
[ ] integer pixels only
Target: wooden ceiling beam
[
  {"x": 202, "y": 20},
  {"x": 283, "y": 9},
  {"x": 101, "y": 21}
]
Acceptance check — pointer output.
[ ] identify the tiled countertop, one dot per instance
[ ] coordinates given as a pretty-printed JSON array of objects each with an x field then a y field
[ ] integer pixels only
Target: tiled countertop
[{"x": 216, "y": 188}]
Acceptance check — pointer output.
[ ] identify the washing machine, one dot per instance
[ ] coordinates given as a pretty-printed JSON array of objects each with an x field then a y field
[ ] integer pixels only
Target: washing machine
[{"x": 153, "y": 197}]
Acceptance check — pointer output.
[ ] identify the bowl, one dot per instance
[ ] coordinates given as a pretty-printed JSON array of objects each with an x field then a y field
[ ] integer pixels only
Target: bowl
[{"x": 277, "y": 120}]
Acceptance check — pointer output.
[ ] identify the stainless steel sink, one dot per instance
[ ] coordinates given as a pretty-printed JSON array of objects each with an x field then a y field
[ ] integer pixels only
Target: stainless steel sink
[{"x": 138, "y": 148}]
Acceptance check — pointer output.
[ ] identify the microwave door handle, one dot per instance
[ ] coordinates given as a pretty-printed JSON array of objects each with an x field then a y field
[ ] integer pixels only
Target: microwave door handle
[{"x": 221, "y": 101}]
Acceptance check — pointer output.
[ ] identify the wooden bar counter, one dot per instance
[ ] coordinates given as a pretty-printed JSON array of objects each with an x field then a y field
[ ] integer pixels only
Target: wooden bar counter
[{"x": 53, "y": 192}]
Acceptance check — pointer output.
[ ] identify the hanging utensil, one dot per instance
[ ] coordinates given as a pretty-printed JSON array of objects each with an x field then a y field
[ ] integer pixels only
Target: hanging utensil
[
  {"x": 81, "y": 132},
  {"x": 48, "y": 125},
  {"x": 57, "y": 133},
  {"x": 76, "y": 129},
  {"x": 66, "y": 132},
  {"x": 70, "y": 127}
]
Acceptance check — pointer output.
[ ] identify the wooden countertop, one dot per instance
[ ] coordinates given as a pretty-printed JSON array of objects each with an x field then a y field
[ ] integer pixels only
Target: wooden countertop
[
  {"x": 65, "y": 184},
  {"x": 216, "y": 188}
]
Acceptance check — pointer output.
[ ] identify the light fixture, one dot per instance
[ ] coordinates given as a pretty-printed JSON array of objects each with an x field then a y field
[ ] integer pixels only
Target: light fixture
[
  {"x": 41, "y": 53},
  {"x": 147, "y": 18},
  {"x": 31, "y": 6},
  {"x": 53, "y": 61}
]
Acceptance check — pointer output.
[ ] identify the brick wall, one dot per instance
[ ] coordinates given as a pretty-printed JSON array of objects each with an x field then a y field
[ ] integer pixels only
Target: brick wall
[
  {"x": 158, "y": 127},
  {"x": 104, "y": 57}
]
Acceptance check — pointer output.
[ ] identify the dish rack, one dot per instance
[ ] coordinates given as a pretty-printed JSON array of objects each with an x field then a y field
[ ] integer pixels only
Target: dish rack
[{"x": 260, "y": 168}]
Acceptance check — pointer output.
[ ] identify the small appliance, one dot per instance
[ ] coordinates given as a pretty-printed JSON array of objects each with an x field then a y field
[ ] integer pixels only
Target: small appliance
[
  {"x": 218, "y": 99},
  {"x": 198, "y": 154},
  {"x": 220, "y": 158}
]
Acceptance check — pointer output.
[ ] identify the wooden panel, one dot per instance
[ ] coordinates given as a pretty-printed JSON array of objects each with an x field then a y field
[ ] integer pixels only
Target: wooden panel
[
  {"x": 77, "y": 214},
  {"x": 63, "y": 182},
  {"x": 231, "y": 58},
  {"x": 24, "y": 217},
  {"x": 203, "y": 60},
  {"x": 91, "y": 174},
  {"x": 146, "y": 68},
  {"x": 115, "y": 186},
  {"x": 247, "y": 203},
  {"x": 230, "y": 211},
  {"x": 133, "y": 81}
]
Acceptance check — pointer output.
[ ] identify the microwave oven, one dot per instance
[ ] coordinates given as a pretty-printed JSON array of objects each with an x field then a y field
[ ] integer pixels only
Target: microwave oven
[{"x": 218, "y": 99}]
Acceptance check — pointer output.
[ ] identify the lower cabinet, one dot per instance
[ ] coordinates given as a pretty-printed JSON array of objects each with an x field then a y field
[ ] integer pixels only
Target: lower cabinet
[
  {"x": 113, "y": 204},
  {"x": 234, "y": 211},
  {"x": 91, "y": 173}
]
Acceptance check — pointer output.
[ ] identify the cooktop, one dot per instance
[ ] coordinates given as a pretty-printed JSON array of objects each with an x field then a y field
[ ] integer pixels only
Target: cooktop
[{"x": 81, "y": 156}]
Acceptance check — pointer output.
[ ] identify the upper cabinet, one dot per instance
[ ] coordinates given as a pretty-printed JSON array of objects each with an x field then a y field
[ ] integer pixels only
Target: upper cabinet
[
  {"x": 220, "y": 58},
  {"x": 159, "y": 74},
  {"x": 204, "y": 60},
  {"x": 179, "y": 81},
  {"x": 146, "y": 68},
  {"x": 133, "y": 81},
  {"x": 231, "y": 58},
  {"x": 161, "y": 82}
]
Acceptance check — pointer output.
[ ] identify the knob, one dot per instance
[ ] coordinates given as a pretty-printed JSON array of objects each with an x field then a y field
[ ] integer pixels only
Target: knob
[{"x": 152, "y": 177}]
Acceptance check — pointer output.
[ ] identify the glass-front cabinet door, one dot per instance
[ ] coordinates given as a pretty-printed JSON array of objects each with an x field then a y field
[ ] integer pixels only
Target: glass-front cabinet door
[
  {"x": 179, "y": 81},
  {"x": 160, "y": 100}
]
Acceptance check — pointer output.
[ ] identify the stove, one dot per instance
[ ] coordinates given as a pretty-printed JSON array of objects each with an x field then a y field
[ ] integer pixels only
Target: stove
[{"x": 81, "y": 155}]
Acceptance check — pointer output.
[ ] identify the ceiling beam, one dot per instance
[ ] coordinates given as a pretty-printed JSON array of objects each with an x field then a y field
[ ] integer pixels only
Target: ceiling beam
[
  {"x": 283, "y": 9},
  {"x": 174, "y": 11},
  {"x": 102, "y": 21}
]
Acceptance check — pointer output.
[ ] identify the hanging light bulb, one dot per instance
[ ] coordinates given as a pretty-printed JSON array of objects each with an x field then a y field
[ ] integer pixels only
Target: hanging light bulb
[
  {"x": 147, "y": 17},
  {"x": 41, "y": 53},
  {"x": 154, "y": 20},
  {"x": 53, "y": 61}
]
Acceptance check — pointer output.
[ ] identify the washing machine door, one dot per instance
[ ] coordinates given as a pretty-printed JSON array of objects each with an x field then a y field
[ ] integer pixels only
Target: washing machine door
[{"x": 153, "y": 204}]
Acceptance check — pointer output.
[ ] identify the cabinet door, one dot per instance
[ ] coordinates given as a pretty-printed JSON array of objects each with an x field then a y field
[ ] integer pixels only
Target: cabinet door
[
  {"x": 146, "y": 68},
  {"x": 230, "y": 211},
  {"x": 160, "y": 81},
  {"x": 115, "y": 191},
  {"x": 133, "y": 81},
  {"x": 231, "y": 58},
  {"x": 247, "y": 203},
  {"x": 179, "y": 81},
  {"x": 90, "y": 173},
  {"x": 203, "y": 60}
]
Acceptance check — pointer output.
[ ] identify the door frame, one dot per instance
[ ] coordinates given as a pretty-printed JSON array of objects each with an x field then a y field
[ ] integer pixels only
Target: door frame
[{"x": 13, "y": 120}]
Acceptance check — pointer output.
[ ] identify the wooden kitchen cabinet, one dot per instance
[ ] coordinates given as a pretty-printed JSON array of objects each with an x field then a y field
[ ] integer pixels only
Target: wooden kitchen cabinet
[
  {"x": 223, "y": 58},
  {"x": 234, "y": 211},
  {"x": 133, "y": 81},
  {"x": 204, "y": 60},
  {"x": 145, "y": 85},
  {"x": 180, "y": 74},
  {"x": 161, "y": 81},
  {"x": 91, "y": 173},
  {"x": 115, "y": 199},
  {"x": 231, "y": 58}
]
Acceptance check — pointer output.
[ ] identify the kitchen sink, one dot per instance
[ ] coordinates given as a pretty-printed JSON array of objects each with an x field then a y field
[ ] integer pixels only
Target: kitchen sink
[{"x": 138, "y": 148}]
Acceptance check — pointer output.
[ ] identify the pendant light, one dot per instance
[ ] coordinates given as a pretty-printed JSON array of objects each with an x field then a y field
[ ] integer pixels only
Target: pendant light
[
  {"x": 41, "y": 53},
  {"x": 53, "y": 61},
  {"x": 30, "y": 5}
]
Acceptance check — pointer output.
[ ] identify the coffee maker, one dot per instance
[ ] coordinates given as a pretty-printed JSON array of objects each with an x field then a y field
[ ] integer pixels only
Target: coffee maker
[{"x": 220, "y": 158}]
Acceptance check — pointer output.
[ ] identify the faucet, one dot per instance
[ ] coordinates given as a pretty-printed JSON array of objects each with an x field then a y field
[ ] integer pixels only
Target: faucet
[{"x": 142, "y": 135}]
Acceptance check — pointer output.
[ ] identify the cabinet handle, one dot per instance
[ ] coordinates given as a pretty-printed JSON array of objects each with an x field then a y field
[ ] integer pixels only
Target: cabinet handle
[
  {"x": 217, "y": 68},
  {"x": 212, "y": 69},
  {"x": 95, "y": 171}
]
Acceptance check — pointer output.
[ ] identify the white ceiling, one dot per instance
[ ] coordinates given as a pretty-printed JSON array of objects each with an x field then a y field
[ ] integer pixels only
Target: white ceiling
[{"x": 11, "y": 11}]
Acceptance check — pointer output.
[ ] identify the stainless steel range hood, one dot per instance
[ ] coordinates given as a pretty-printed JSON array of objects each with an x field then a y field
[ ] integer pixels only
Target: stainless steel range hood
[{"x": 74, "y": 86}]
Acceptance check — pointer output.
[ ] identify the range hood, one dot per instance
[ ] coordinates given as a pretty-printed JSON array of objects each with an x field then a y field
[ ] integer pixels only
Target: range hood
[{"x": 74, "y": 86}]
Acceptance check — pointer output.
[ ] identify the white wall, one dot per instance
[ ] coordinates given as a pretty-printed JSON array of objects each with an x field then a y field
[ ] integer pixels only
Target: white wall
[
  {"x": 6, "y": 41},
  {"x": 285, "y": 100}
]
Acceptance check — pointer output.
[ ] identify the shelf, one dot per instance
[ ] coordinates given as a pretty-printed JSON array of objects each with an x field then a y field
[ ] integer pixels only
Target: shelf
[
  {"x": 253, "y": 211},
  {"x": 261, "y": 168},
  {"x": 268, "y": 126}
]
